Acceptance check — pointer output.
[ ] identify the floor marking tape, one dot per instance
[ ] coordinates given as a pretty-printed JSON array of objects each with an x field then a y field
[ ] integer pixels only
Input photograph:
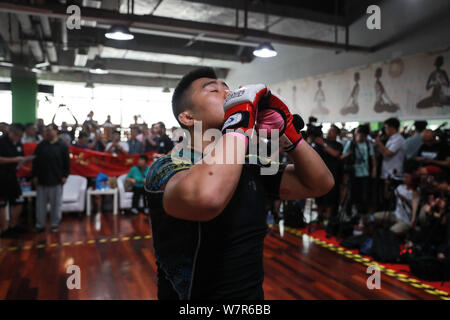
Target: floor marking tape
[
  {"x": 367, "y": 262},
  {"x": 77, "y": 243}
]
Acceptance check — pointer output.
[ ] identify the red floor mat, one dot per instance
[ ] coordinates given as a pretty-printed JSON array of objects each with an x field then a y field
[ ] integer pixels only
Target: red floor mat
[{"x": 442, "y": 290}]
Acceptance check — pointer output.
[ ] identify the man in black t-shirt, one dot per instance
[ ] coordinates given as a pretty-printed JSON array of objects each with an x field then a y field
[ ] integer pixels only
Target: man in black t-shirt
[
  {"x": 11, "y": 154},
  {"x": 433, "y": 152},
  {"x": 51, "y": 168},
  {"x": 165, "y": 144},
  {"x": 208, "y": 218}
]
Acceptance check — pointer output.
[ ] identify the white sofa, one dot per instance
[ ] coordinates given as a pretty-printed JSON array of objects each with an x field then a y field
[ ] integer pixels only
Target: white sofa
[
  {"x": 125, "y": 198},
  {"x": 74, "y": 194}
]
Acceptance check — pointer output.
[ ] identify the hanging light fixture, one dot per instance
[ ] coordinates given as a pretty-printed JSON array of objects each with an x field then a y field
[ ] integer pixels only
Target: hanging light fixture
[
  {"x": 166, "y": 90},
  {"x": 118, "y": 32},
  {"x": 265, "y": 50}
]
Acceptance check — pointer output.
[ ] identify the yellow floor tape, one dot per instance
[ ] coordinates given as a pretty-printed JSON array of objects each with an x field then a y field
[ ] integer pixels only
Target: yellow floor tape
[
  {"x": 76, "y": 243},
  {"x": 367, "y": 262}
]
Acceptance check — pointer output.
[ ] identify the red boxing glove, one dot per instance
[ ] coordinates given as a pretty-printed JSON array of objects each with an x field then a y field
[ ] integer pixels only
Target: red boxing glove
[
  {"x": 241, "y": 107},
  {"x": 274, "y": 114}
]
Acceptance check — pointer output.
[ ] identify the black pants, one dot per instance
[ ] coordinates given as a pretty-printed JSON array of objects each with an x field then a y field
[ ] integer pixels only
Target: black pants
[
  {"x": 360, "y": 194},
  {"x": 138, "y": 192}
]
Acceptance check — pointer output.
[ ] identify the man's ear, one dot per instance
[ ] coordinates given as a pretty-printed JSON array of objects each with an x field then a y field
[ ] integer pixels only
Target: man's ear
[{"x": 186, "y": 118}]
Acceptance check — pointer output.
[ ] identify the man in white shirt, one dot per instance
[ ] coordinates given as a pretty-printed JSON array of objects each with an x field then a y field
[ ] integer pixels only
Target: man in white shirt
[
  {"x": 30, "y": 135},
  {"x": 393, "y": 155},
  {"x": 394, "y": 150},
  {"x": 403, "y": 218}
]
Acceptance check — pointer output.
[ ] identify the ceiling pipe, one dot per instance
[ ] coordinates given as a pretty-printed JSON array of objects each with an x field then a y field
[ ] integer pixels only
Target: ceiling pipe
[
  {"x": 27, "y": 29},
  {"x": 179, "y": 26},
  {"x": 49, "y": 46}
]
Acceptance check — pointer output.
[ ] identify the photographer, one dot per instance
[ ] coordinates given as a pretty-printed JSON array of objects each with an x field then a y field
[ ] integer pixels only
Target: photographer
[
  {"x": 433, "y": 152},
  {"x": 433, "y": 226},
  {"x": 407, "y": 203},
  {"x": 393, "y": 154},
  {"x": 361, "y": 167},
  {"x": 330, "y": 151}
]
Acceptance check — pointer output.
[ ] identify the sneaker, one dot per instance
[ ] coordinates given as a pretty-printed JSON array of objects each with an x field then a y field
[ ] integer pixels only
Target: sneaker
[
  {"x": 55, "y": 229},
  {"x": 134, "y": 211},
  {"x": 20, "y": 229},
  {"x": 146, "y": 211}
]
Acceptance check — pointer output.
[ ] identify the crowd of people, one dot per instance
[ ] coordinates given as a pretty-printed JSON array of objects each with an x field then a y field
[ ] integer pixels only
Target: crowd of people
[
  {"x": 51, "y": 163},
  {"x": 396, "y": 178}
]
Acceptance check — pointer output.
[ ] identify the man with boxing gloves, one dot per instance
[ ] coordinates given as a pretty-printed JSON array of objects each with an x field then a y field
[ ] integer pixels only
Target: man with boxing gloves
[{"x": 208, "y": 217}]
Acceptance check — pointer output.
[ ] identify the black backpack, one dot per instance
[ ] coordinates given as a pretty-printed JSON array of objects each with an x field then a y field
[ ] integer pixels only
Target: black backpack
[
  {"x": 354, "y": 242},
  {"x": 430, "y": 268},
  {"x": 339, "y": 228},
  {"x": 293, "y": 213},
  {"x": 385, "y": 246}
]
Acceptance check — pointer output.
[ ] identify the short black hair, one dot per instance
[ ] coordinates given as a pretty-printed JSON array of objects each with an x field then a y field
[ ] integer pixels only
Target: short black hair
[
  {"x": 364, "y": 129},
  {"x": 15, "y": 127},
  {"x": 410, "y": 166},
  {"x": 82, "y": 135},
  {"x": 338, "y": 130},
  {"x": 179, "y": 101},
  {"x": 53, "y": 126},
  {"x": 393, "y": 123},
  {"x": 143, "y": 156},
  {"x": 162, "y": 125},
  {"x": 29, "y": 124},
  {"x": 420, "y": 125}
]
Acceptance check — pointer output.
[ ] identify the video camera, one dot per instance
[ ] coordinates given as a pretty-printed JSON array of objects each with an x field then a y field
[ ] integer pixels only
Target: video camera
[{"x": 313, "y": 128}]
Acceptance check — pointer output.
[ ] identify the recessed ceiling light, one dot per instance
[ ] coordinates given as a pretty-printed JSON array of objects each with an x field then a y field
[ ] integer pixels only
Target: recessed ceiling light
[
  {"x": 265, "y": 50},
  {"x": 119, "y": 33}
]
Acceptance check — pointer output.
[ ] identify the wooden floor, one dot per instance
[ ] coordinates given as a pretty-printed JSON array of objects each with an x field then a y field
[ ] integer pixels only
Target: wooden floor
[{"x": 115, "y": 256}]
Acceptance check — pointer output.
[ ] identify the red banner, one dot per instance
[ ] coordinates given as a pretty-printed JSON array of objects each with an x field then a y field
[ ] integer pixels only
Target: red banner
[{"x": 88, "y": 163}]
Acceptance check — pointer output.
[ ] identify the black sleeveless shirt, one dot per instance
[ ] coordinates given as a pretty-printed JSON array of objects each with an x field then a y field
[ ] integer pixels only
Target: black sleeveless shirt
[{"x": 217, "y": 259}]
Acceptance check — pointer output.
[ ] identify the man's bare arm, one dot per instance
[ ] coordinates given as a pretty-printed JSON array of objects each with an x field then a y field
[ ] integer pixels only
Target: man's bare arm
[
  {"x": 308, "y": 177},
  {"x": 202, "y": 192}
]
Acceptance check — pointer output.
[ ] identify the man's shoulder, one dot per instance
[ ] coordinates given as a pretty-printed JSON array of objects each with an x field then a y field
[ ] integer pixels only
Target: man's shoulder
[{"x": 162, "y": 169}]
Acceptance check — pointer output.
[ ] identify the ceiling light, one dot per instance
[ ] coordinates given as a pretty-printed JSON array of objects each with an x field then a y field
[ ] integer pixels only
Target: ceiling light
[
  {"x": 265, "y": 50},
  {"x": 119, "y": 33},
  {"x": 98, "y": 69}
]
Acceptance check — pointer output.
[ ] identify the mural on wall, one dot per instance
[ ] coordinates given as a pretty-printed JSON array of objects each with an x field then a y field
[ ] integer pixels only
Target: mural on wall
[
  {"x": 352, "y": 105},
  {"x": 437, "y": 81},
  {"x": 382, "y": 101},
  {"x": 410, "y": 88},
  {"x": 319, "y": 99}
]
